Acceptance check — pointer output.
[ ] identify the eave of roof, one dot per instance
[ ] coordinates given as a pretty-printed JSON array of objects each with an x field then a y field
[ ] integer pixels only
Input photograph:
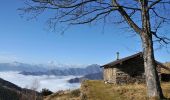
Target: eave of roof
[{"x": 122, "y": 60}]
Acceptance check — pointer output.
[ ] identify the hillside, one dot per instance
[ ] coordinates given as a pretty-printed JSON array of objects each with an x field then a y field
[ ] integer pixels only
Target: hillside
[
  {"x": 65, "y": 95},
  {"x": 10, "y": 85},
  {"x": 10, "y": 91},
  {"x": 7, "y": 94},
  {"x": 98, "y": 90},
  {"x": 93, "y": 76}
]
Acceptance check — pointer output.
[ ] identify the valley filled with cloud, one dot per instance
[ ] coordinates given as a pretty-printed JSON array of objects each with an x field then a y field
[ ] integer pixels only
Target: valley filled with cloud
[{"x": 53, "y": 83}]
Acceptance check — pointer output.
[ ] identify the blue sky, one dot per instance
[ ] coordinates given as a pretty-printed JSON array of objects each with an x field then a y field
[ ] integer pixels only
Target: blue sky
[{"x": 30, "y": 42}]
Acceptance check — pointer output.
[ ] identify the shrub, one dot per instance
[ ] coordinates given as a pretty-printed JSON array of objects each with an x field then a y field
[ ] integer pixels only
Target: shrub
[
  {"x": 46, "y": 92},
  {"x": 75, "y": 93}
]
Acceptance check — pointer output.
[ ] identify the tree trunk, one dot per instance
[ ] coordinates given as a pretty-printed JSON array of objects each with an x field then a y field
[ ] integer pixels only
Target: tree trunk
[{"x": 154, "y": 90}]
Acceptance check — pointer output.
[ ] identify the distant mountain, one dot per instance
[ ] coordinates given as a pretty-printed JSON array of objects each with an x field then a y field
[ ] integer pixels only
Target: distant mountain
[
  {"x": 94, "y": 68},
  {"x": 10, "y": 91},
  {"x": 24, "y": 67},
  {"x": 17, "y": 66},
  {"x": 93, "y": 76}
]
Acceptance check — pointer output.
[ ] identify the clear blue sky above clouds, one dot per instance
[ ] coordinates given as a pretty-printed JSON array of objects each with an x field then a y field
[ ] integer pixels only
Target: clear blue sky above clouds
[{"x": 30, "y": 42}]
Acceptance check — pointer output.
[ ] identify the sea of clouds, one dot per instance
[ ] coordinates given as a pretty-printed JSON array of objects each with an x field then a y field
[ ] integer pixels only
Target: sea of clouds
[{"x": 53, "y": 83}]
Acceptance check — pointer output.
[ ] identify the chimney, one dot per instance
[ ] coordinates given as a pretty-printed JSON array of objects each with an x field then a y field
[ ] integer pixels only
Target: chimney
[{"x": 117, "y": 54}]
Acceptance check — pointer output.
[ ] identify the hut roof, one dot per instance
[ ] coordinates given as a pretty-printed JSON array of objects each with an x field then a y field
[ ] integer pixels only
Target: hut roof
[
  {"x": 140, "y": 54},
  {"x": 122, "y": 60}
]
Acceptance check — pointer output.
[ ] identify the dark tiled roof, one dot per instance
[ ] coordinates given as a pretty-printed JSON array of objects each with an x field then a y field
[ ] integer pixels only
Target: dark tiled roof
[
  {"x": 122, "y": 60},
  {"x": 132, "y": 56}
]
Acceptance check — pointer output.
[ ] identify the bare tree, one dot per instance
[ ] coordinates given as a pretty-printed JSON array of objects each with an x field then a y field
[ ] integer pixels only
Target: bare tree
[
  {"x": 34, "y": 86},
  {"x": 144, "y": 17}
]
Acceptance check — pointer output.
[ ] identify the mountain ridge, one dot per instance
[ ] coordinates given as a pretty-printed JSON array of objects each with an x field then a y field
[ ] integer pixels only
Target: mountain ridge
[
  {"x": 19, "y": 66},
  {"x": 93, "y": 76},
  {"x": 94, "y": 68}
]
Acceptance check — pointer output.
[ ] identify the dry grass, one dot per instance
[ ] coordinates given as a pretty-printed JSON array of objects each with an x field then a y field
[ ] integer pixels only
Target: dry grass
[
  {"x": 97, "y": 90},
  {"x": 65, "y": 95}
]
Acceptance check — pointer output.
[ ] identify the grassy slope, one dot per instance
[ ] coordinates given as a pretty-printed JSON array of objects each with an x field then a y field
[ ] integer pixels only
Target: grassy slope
[
  {"x": 97, "y": 90},
  {"x": 65, "y": 95}
]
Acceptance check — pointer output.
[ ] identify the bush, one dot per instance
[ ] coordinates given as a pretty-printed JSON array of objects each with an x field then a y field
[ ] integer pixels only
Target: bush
[
  {"x": 83, "y": 96},
  {"x": 75, "y": 93},
  {"x": 46, "y": 92}
]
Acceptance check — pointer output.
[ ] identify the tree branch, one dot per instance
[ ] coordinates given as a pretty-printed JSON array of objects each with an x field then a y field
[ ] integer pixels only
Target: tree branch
[
  {"x": 161, "y": 39},
  {"x": 94, "y": 18},
  {"x": 127, "y": 17},
  {"x": 154, "y": 3}
]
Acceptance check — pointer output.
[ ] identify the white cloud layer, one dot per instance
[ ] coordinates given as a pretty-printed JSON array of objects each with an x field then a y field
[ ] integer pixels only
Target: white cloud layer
[{"x": 54, "y": 83}]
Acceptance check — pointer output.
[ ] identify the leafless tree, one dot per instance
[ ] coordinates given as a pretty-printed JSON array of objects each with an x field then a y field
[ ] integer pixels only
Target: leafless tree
[
  {"x": 144, "y": 17},
  {"x": 34, "y": 86}
]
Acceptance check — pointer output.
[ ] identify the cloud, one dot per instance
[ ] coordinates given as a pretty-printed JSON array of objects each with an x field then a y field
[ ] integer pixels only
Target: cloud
[{"x": 54, "y": 83}]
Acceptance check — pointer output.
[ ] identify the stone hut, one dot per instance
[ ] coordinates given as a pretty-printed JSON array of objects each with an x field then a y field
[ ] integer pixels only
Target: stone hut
[{"x": 128, "y": 70}]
